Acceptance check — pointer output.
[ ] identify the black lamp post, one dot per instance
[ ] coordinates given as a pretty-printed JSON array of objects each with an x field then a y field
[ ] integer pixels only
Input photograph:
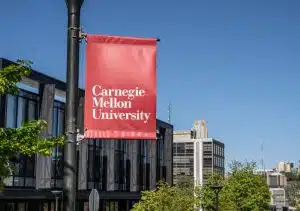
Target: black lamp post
[
  {"x": 73, "y": 41},
  {"x": 217, "y": 188}
]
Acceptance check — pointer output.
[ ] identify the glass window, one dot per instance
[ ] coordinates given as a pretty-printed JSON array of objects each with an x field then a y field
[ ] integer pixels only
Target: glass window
[
  {"x": 21, "y": 207},
  {"x": 32, "y": 110},
  {"x": 21, "y": 111},
  {"x": 20, "y": 166},
  {"x": 58, "y": 152},
  {"x": 61, "y": 117},
  {"x": 54, "y": 121},
  {"x": 10, "y": 207},
  {"x": 30, "y": 166},
  {"x": 11, "y": 111},
  {"x": 22, "y": 108},
  {"x": 90, "y": 163},
  {"x": 97, "y": 165}
]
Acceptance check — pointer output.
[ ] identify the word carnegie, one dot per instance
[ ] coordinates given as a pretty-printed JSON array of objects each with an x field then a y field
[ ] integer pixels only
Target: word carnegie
[{"x": 108, "y": 102}]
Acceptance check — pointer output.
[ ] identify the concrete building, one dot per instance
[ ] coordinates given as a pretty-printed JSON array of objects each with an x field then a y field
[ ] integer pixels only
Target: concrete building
[
  {"x": 276, "y": 180},
  {"x": 196, "y": 155},
  {"x": 119, "y": 169},
  {"x": 278, "y": 198},
  {"x": 277, "y": 183},
  {"x": 284, "y": 167}
]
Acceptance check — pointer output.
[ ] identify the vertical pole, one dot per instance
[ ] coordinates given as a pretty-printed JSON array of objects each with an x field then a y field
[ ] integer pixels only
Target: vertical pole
[
  {"x": 71, "y": 104},
  {"x": 56, "y": 203}
]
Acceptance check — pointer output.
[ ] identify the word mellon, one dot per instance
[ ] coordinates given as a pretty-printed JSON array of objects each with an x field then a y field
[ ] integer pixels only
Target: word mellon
[{"x": 113, "y": 104}]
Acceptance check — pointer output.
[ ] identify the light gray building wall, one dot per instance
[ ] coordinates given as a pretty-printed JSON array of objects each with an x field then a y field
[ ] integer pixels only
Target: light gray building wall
[{"x": 196, "y": 155}]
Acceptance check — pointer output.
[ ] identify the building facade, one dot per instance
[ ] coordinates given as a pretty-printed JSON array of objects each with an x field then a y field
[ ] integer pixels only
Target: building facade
[
  {"x": 284, "y": 167},
  {"x": 118, "y": 169},
  {"x": 277, "y": 183},
  {"x": 197, "y": 156}
]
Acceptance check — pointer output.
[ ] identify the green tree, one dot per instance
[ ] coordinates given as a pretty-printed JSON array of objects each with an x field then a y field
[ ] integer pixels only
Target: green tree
[
  {"x": 207, "y": 194},
  {"x": 185, "y": 184},
  {"x": 293, "y": 193},
  {"x": 184, "y": 181},
  {"x": 26, "y": 139},
  {"x": 165, "y": 198},
  {"x": 244, "y": 190},
  {"x": 291, "y": 176}
]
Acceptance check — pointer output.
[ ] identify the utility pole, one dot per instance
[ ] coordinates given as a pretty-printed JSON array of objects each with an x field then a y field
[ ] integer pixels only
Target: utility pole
[{"x": 73, "y": 42}]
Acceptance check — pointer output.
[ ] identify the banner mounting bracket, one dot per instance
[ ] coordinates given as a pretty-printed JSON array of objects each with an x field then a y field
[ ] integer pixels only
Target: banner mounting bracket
[{"x": 82, "y": 35}]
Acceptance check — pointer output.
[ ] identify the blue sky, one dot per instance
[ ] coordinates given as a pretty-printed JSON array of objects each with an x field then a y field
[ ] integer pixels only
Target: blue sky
[{"x": 233, "y": 63}]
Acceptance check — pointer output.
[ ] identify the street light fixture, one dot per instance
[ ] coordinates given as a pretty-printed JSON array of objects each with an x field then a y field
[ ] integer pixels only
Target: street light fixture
[
  {"x": 56, "y": 194},
  {"x": 217, "y": 188}
]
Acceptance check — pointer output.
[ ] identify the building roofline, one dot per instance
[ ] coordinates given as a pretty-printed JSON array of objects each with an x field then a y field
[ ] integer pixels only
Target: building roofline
[
  {"x": 41, "y": 77},
  {"x": 166, "y": 124}
]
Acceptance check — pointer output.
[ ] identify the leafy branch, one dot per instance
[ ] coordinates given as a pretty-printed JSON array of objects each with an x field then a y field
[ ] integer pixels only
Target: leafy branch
[
  {"x": 12, "y": 74},
  {"x": 27, "y": 139}
]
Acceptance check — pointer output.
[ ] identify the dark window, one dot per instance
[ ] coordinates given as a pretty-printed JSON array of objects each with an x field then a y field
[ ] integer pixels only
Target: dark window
[
  {"x": 2, "y": 110},
  {"x": 104, "y": 183},
  {"x": 58, "y": 152},
  {"x": 164, "y": 173},
  {"x": 21, "y": 108},
  {"x": 128, "y": 173},
  {"x": 91, "y": 164},
  {"x": 273, "y": 181},
  {"x": 141, "y": 173},
  {"x": 183, "y": 162},
  {"x": 147, "y": 176},
  {"x": 207, "y": 162},
  {"x": 117, "y": 166},
  {"x": 95, "y": 165}
]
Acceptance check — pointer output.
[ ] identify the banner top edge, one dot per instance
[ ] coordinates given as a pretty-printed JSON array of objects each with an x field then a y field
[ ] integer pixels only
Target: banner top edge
[{"x": 120, "y": 39}]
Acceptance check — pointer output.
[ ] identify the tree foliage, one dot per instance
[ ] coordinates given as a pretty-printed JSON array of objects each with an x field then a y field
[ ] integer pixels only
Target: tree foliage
[
  {"x": 166, "y": 198},
  {"x": 207, "y": 194},
  {"x": 184, "y": 181},
  {"x": 185, "y": 184},
  {"x": 243, "y": 190},
  {"x": 12, "y": 74},
  {"x": 291, "y": 176},
  {"x": 247, "y": 190},
  {"x": 293, "y": 193},
  {"x": 26, "y": 139}
]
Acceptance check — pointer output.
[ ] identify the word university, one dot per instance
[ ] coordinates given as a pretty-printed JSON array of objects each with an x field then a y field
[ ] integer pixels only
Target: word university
[{"x": 118, "y": 104}]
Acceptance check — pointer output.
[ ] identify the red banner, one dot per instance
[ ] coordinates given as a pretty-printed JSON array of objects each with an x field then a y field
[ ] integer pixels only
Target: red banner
[{"x": 120, "y": 88}]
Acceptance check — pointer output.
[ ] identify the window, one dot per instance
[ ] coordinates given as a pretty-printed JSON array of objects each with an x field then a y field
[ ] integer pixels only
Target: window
[
  {"x": 273, "y": 181},
  {"x": 128, "y": 173},
  {"x": 183, "y": 163},
  {"x": 11, "y": 111},
  {"x": 160, "y": 146},
  {"x": 20, "y": 108},
  {"x": 97, "y": 165},
  {"x": 207, "y": 162},
  {"x": 58, "y": 152},
  {"x": 32, "y": 110}
]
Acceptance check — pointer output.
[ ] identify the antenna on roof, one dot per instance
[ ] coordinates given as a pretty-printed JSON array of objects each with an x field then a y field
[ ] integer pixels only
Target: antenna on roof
[
  {"x": 262, "y": 156},
  {"x": 169, "y": 112}
]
